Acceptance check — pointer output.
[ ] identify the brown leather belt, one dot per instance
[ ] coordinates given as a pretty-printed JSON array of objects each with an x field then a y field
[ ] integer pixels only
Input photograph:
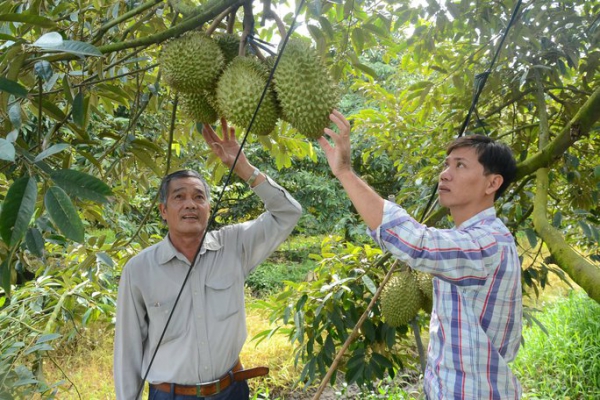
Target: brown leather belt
[{"x": 216, "y": 386}]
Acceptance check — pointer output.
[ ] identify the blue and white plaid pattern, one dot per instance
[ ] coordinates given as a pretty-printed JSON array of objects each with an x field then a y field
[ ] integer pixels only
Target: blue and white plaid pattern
[{"x": 476, "y": 322}]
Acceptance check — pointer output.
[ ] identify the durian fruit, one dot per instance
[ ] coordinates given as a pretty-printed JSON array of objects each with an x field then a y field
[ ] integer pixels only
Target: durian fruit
[
  {"x": 425, "y": 284},
  {"x": 229, "y": 43},
  {"x": 192, "y": 62},
  {"x": 305, "y": 89},
  {"x": 400, "y": 299},
  {"x": 239, "y": 90},
  {"x": 198, "y": 107}
]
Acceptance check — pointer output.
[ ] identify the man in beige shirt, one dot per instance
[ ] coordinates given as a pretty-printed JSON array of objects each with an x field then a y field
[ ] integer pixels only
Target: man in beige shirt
[{"x": 198, "y": 356}]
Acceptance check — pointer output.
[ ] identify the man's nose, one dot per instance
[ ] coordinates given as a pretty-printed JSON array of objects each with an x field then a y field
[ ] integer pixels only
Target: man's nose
[
  {"x": 445, "y": 174},
  {"x": 189, "y": 203}
]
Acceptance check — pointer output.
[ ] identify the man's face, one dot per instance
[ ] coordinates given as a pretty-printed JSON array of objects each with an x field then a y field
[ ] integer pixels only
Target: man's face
[
  {"x": 463, "y": 186},
  {"x": 187, "y": 208}
]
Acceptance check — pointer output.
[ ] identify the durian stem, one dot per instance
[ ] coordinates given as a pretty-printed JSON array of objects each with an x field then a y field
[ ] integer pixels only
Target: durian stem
[
  {"x": 417, "y": 331},
  {"x": 248, "y": 27},
  {"x": 217, "y": 21},
  {"x": 130, "y": 14},
  {"x": 280, "y": 25},
  {"x": 354, "y": 333}
]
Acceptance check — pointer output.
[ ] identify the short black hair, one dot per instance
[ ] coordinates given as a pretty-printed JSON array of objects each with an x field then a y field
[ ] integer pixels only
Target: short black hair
[
  {"x": 184, "y": 173},
  {"x": 496, "y": 157}
]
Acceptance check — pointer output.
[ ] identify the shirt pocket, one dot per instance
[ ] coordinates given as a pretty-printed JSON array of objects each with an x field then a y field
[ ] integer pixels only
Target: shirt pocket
[
  {"x": 223, "y": 297},
  {"x": 158, "y": 315}
]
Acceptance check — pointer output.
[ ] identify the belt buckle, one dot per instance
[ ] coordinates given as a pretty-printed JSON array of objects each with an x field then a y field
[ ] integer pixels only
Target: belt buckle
[{"x": 216, "y": 382}]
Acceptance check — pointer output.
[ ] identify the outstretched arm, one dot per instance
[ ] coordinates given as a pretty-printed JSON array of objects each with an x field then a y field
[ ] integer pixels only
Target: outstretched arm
[
  {"x": 366, "y": 201},
  {"x": 226, "y": 149}
]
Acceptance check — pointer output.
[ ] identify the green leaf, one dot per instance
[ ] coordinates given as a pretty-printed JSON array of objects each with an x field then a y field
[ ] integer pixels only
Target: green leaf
[
  {"x": 28, "y": 19},
  {"x": 54, "y": 149},
  {"x": 82, "y": 185},
  {"x": 5, "y": 276},
  {"x": 53, "y": 110},
  {"x": 78, "y": 110},
  {"x": 34, "y": 242},
  {"x": 358, "y": 40},
  {"x": 531, "y": 236},
  {"x": 17, "y": 210},
  {"x": 48, "y": 337},
  {"x": 63, "y": 214},
  {"x": 14, "y": 114},
  {"x": 12, "y": 87},
  {"x": 73, "y": 47},
  {"x": 369, "y": 284},
  {"x": 7, "y": 150}
]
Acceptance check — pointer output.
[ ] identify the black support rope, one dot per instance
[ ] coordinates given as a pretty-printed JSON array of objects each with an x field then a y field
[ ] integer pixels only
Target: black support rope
[{"x": 216, "y": 208}]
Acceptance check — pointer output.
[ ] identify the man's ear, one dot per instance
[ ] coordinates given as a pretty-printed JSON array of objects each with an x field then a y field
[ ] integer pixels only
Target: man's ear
[
  {"x": 494, "y": 183},
  {"x": 163, "y": 212}
]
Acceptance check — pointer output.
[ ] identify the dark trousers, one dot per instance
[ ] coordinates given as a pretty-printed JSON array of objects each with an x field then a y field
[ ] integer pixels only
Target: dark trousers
[{"x": 237, "y": 391}]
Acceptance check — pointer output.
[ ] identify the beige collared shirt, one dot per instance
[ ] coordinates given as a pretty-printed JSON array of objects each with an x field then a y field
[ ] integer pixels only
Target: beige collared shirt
[{"x": 208, "y": 327}]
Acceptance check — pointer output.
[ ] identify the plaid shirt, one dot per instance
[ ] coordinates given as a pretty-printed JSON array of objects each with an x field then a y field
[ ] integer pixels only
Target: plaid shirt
[{"x": 476, "y": 322}]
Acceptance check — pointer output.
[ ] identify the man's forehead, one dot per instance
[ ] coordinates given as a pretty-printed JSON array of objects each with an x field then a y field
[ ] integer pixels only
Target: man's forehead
[
  {"x": 463, "y": 153},
  {"x": 187, "y": 183}
]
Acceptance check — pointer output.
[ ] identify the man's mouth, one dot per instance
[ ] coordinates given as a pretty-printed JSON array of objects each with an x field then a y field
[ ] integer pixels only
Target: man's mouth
[{"x": 189, "y": 217}]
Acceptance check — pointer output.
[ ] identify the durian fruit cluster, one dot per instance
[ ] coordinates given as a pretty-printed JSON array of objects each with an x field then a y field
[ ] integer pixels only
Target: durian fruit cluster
[
  {"x": 214, "y": 81},
  {"x": 404, "y": 295}
]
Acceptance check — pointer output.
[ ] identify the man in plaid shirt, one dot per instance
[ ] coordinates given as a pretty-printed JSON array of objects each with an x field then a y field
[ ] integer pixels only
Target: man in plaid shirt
[{"x": 476, "y": 321}]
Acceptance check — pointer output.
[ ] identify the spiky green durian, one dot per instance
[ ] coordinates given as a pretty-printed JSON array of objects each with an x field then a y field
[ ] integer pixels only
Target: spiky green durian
[
  {"x": 304, "y": 88},
  {"x": 229, "y": 43},
  {"x": 238, "y": 92},
  {"x": 198, "y": 107},
  {"x": 425, "y": 284},
  {"x": 192, "y": 63},
  {"x": 400, "y": 299}
]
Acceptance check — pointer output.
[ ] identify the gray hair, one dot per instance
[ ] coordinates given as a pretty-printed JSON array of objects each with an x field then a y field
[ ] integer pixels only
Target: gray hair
[{"x": 184, "y": 173}]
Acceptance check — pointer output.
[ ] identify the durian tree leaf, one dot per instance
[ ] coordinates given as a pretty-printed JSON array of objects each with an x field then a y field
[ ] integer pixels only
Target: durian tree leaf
[
  {"x": 358, "y": 40},
  {"x": 315, "y": 32},
  {"x": 28, "y": 19},
  {"x": 82, "y": 185},
  {"x": 14, "y": 114},
  {"x": 7, "y": 150},
  {"x": 79, "y": 110},
  {"x": 12, "y": 87},
  {"x": 377, "y": 30},
  {"x": 147, "y": 160},
  {"x": 34, "y": 242},
  {"x": 531, "y": 236},
  {"x": 326, "y": 27},
  {"x": 43, "y": 70},
  {"x": 63, "y": 214},
  {"x": 70, "y": 46},
  {"x": 17, "y": 210},
  {"x": 5, "y": 273},
  {"x": 50, "y": 151},
  {"x": 52, "y": 110},
  {"x": 366, "y": 69},
  {"x": 369, "y": 284},
  {"x": 8, "y": 38}
]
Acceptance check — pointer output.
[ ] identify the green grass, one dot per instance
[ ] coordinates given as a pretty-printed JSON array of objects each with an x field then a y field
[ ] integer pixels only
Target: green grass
[{"x": 565, "y": 363}]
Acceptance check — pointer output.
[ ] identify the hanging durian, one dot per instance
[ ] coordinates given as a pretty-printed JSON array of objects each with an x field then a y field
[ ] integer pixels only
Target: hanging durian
[
  {"x": 400, "y": 299},
  {"x": 425, "y": 284},
  {"x": 198, "y": 107},
  {"x": 229, "y": 43},
  {"x": 305, "y": 89},
  {"x": 192, "y": 62},
  {"x": 239, "y": 90}
]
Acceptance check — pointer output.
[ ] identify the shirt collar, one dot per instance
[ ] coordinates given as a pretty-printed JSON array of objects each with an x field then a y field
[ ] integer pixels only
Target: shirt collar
[
  {"x": 487, "y": 214},
  {"x": 166, "y": 251}
]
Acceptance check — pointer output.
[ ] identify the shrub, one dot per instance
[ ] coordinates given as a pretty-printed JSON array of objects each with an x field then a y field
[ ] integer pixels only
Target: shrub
[{"x": 565, "y": 361}]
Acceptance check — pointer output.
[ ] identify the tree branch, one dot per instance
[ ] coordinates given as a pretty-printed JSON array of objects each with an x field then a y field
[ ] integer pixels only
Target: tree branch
[
  {"x": 580, "y": 125},
  {"x": 210, "y": 11}
]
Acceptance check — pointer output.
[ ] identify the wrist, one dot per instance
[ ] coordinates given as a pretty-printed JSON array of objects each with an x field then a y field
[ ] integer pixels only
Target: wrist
[{"x": 253, "y": 176}]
